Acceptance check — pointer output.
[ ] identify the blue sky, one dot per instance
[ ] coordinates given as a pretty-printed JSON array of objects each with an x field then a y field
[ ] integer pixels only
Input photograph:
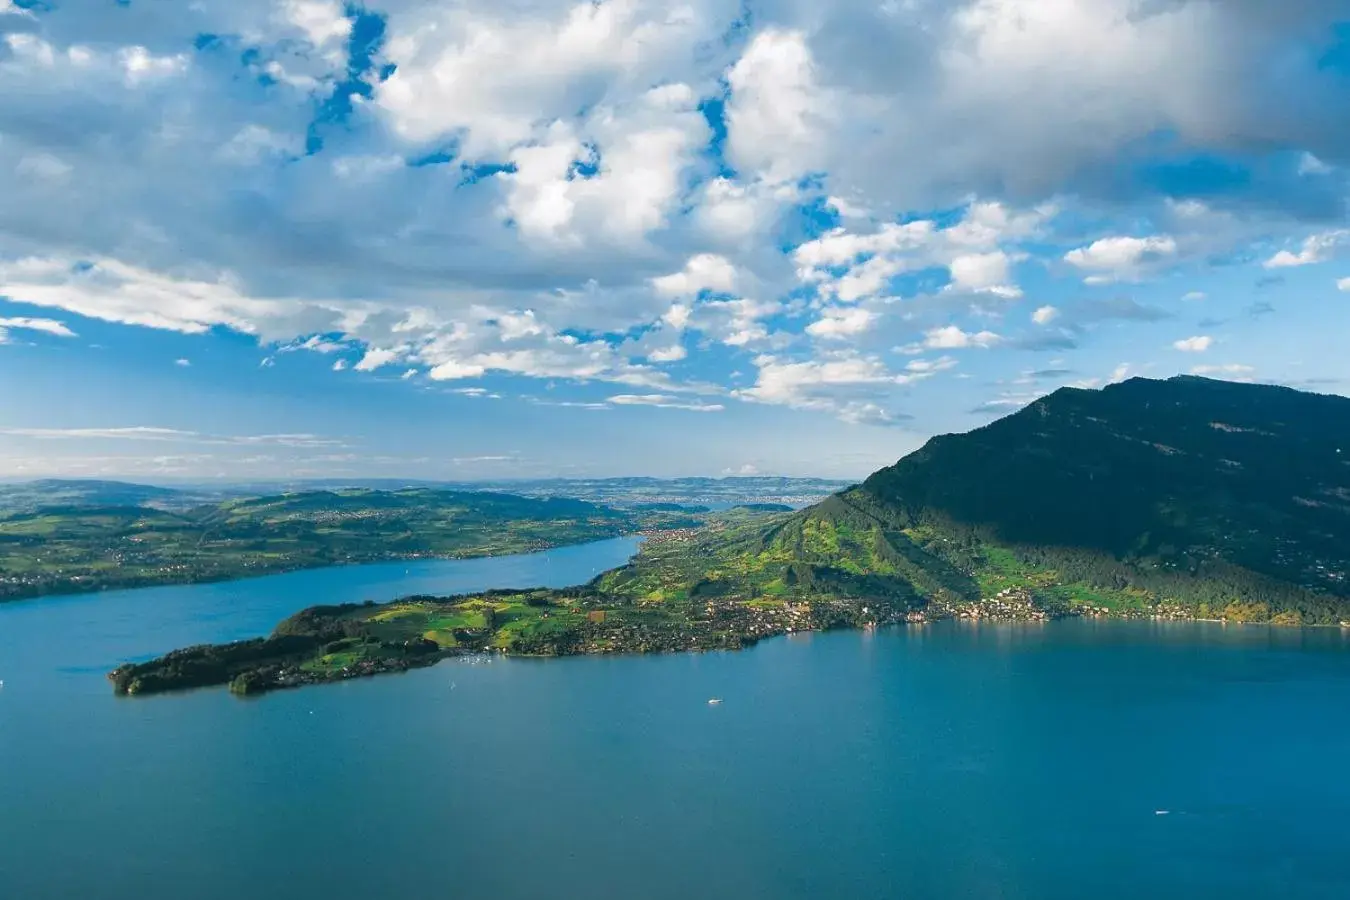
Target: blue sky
[{"x": 253, "y": 239}]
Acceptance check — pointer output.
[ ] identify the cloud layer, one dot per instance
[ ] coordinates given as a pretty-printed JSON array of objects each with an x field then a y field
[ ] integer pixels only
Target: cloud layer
[{"x": 803, "y": 205}]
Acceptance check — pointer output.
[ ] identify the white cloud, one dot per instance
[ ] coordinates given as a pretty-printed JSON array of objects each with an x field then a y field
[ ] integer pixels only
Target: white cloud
[
  {"x": 378, "y": 357},
  {"x": 852, "y": 266},
  {"x": 339, "y": 365},
  {"x": 840, "y": 323},
  {"x": 677, "y": 316},
  {"x": 1044, "y": 315},
  {"x": 735, "y": 323},
  {"x": 1194, "y": 296},
  {"x": 706, "y": 271},
  {"x": 151, "y": 433},
  {"x": 855, "y": 388},
  {"x": 951, "y": 337},
  {"x": 984, "y": 273},
  {"x": 581, "y": 195},
  {"x": 481, "y": 393},
  {"x": 931, "y": 366},
  {"x": 643, "y": 150},
  {"x": 323, "y": 22},
  {"x": 46, "y": 326},
  {"x": 1197, "y": 344},
  {"x": 140, "y": 65},
  {"x": 459, "y": 66},
  {"x": 113, "y": 291},
  {"x": 316, "y": 344},
  {"x": 1316, "y": 248},
  {"x": 777, "y": 116},
  {"x": 182, "y": 362},
  {"x": 846, "y": 209},
  {"x": 1121, "y": 258},
  {"x": 664, "y": 401},
  {"x": 9, "y": 8},
  {"x": 673, "y": 353},
  {"x": 1344, "y": 285}
]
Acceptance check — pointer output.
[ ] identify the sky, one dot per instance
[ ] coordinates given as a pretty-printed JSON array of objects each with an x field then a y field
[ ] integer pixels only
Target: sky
[{"x": 461, "y": 239}]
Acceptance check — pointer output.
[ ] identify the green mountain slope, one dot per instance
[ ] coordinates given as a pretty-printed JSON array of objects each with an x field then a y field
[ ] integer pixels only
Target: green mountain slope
[{"x": 1185, "y": 498}]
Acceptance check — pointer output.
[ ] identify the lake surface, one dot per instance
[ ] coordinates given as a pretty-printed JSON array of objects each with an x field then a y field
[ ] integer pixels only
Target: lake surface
[{"x": 942, "y": 761}]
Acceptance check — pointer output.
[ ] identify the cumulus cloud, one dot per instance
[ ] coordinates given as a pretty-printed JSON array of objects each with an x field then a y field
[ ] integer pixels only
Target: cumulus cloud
[
  {"x": 841, "y": 323},
  {"x": 856, "y": 388},
  {"x": 1044, "y": 315},
  {"x": 1197, "y": 344},
  {"x": 113, "y": 291},
  {"x": 1121, "y": 258},
  {"x": 704, "y": 272},
  {"x": 778, "y": 117},
  {"x": 851, "y": 266},
  {"x": 673, "y": 353},
  {"x": 951, "y": 337},
  {"x": 984, "y": 273},
  {"x": 661, "y": 182},
  {"x": 1315, "y": 249},
  {"x": 1344, "y": 285}
]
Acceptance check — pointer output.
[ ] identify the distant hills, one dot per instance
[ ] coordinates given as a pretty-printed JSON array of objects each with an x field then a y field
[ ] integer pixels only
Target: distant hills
[
  {"x": 55, "y": 492},
  {"x": 69, "y": 548},
  {"x": 710, "y": 492}
]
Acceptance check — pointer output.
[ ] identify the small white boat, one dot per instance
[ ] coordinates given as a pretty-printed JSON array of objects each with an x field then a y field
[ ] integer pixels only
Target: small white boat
[{"x": 714, "y": 701}]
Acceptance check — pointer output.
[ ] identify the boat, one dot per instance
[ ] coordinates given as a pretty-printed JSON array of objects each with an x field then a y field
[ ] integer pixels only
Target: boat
[{"x": 714, "y": 701}]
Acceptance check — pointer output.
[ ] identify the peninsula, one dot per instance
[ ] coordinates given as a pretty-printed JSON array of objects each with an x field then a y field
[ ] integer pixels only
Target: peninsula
[{"x": 1180, "y": 499}]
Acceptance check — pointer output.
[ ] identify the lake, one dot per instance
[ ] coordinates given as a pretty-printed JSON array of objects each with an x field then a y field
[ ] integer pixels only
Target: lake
[{"x": 1066, "y": 760}]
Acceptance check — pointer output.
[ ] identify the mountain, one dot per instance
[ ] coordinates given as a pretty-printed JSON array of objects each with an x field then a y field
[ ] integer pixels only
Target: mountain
[
  {"x": 1177, "y": 474},
  {"x": 1184, "y": 497},
  {"x": 1179, "y": 499},
  {"x": 31, "y": 495}
]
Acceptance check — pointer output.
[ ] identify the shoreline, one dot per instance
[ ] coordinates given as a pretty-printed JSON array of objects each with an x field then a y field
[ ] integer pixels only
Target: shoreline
[{"x": 278, "y": 674}]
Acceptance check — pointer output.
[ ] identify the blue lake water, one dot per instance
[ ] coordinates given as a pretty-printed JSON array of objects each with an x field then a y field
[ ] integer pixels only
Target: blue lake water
[{"x": 945, "y": 761}]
